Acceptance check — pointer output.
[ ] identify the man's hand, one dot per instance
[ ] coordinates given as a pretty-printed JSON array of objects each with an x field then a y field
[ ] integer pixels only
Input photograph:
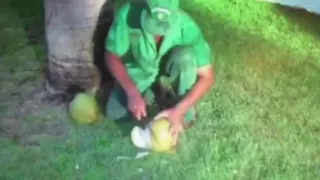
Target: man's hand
[
  {"x": 176, "y": 118},
  {"x": 137, "y": 105},
  {"x": 176, "y": 114},
  {"x": 199, "y": 89}
]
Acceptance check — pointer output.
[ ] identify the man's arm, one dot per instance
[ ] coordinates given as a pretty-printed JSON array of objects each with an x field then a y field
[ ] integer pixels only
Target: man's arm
[
  {"x": 119, "y": 72},
  {"x": 205, "y": 80},
  {"x": 117, "y": 45},
  {"x": 205, "y": 73}
]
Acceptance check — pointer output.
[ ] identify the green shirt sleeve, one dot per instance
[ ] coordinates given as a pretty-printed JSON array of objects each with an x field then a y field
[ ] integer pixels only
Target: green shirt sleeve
[
  {"x": 117, "y": 41},
  {"x": 192, "y": 35}
]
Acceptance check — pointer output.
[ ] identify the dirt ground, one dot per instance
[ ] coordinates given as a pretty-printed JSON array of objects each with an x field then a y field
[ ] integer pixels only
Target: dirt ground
[{"x": 31, "y": 103}]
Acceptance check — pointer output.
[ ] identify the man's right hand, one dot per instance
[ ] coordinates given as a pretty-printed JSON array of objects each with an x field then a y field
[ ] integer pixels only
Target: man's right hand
[
  {"x": 137, "y": 105},
  {"x": 136, "y": 102}
]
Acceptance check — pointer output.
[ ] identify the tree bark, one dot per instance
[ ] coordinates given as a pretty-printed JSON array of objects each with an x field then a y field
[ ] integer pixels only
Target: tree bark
[{"x": 71, "y": 29}]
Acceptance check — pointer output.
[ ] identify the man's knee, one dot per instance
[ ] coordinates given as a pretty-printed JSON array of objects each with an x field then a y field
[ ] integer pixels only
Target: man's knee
[
  {"x": 183, "y": 58},
  {"x": 182, "y": 68},
  {"x": 116, "y": 108}
]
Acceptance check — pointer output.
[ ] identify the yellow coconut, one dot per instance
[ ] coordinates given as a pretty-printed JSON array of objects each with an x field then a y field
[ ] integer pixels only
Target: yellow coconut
[
  {"x": 84, "y": 109},
  {"x": 161, "y": 138}
]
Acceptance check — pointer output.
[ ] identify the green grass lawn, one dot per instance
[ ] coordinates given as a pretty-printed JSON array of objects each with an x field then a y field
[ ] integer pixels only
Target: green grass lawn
[{"x": 260, "y": 121}]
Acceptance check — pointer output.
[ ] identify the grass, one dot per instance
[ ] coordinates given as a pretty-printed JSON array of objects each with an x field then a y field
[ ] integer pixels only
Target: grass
[{"x": 260, "y": 121}]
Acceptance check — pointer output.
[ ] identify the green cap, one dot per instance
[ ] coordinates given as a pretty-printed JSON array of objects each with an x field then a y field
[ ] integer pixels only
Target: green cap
[{"x": 159, "y": 16}]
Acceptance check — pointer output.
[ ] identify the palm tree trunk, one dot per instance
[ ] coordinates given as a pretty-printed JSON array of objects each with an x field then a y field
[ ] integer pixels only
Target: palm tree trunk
[{"x": 70, "y": 30}]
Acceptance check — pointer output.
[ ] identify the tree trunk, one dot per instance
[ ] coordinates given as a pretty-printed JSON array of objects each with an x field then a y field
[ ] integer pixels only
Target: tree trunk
[{"x": 75, "y": 61}]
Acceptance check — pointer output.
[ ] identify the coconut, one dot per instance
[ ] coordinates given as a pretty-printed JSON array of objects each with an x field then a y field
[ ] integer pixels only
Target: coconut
[
  {"x": 156, "y": 136},
  {"x": 161, "y": 139},
  {"x": 84, "y": 109}
]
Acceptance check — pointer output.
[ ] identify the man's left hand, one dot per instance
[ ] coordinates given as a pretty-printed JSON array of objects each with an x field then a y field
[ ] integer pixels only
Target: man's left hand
[{"x": 176, "y": 119}]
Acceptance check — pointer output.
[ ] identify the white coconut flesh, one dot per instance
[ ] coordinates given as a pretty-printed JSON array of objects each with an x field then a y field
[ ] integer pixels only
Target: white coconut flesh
[{"x": 141, "y": 138}]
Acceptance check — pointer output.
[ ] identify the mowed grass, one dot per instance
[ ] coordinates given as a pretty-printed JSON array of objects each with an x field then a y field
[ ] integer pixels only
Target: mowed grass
[{"x": 260, "y": 121}]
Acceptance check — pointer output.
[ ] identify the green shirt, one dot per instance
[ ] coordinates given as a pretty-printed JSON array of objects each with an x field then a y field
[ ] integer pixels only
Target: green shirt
[{"x": 138, "y": 49}]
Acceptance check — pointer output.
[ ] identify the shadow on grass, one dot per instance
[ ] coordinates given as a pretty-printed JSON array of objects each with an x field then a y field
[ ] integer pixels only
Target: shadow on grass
[
  {"x": 243, "y": 53},
  {"x": 103, "y": 25},
  {"x": 238, "y": 54},
  {"x": 309, "y": 22},
  {"x": 125, "y": 125},
  {"x": 32, "y": 14}
]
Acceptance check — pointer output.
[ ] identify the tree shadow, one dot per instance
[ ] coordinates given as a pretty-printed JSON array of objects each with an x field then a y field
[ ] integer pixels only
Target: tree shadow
[
  {"x": 32, "y": 14},
  {"x": 104, "y": 22},
  {"x": 103, "y": 25},
  {"x": 309, "y": 22},
  {"x": 105, "y": 19}
]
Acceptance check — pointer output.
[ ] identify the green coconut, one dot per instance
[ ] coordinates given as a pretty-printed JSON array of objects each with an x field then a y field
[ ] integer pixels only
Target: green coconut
[
  {"x": 155, "y": 137},
  {"x": 161, "y": 140},
  {"x": 84, "y": 109}
]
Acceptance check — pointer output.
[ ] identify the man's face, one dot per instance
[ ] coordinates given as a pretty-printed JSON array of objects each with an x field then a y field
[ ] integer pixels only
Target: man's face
[
  {"x": 158, "y": 21},
  {"x": 164, "y": 26}
]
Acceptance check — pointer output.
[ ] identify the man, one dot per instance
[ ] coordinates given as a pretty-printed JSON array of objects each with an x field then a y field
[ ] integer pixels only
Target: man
[{"x": 153, "y": 38}]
